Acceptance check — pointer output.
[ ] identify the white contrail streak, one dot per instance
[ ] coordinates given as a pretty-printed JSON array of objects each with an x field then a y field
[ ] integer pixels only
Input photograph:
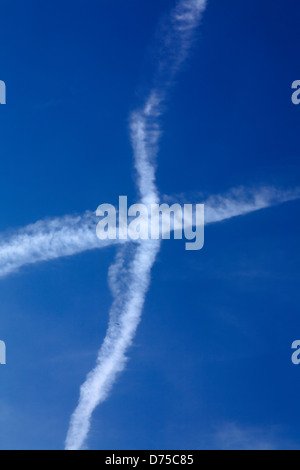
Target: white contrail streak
[
  {"x": 241, "y": 201},
  {"x": 47, "y": 240},
  {"x": 129, "y": 276},
  {"x": 238, "y": 201},
  {"x": 125, "y": 317},
  {"x": 129, "y": 302},
  {"x": 66, "y": 236}
]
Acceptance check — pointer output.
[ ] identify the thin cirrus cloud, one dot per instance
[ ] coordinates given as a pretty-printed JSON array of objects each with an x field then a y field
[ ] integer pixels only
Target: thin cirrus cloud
[
  {"x": 232, "y": 436},
  {"x": 236, "y": 436}
]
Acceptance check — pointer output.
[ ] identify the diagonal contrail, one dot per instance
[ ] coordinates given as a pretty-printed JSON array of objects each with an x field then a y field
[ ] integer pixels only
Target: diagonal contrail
[
  {"x": 129, "y": 276},
  {"x": 129, "y": 301},
  {"x": 67, "y": 236},
  {"x": 47, "y": 240}
]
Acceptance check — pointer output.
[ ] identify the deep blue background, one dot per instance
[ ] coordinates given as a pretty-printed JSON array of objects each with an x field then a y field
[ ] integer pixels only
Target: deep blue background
[{"x": 211, "y": 364}]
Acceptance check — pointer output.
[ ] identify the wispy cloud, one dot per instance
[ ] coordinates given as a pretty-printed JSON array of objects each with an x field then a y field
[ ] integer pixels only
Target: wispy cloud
[{"x": 232, "y": 436}]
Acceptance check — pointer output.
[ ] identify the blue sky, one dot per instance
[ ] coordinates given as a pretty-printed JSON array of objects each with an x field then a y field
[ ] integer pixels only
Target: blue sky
[{"x": 210, "y": 366}]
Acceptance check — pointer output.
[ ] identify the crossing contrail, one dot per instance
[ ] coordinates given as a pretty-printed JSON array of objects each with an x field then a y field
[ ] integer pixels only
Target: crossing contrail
[
  {"x": 48, "y": 240},
  {"x": 129, "y": 299},
  {"x": 51, "y": 239},
  {"x": 130, "y": 275}
]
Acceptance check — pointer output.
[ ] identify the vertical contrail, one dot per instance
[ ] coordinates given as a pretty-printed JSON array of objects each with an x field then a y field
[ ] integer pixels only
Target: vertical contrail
[{"x": 130, "y": 280}]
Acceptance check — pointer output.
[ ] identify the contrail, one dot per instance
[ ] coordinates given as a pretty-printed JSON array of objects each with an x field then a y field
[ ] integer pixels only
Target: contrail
[
  {"x": 125, "y": 316},
  {"x": 129, "y": 301},
  {"x": 129, "y": 276},
  {"x": 238, "y": 201},
  {"x": 47, "y": 240},
  {"x": 242, "y": 201},
  {"x": 51, "y": 239}
]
